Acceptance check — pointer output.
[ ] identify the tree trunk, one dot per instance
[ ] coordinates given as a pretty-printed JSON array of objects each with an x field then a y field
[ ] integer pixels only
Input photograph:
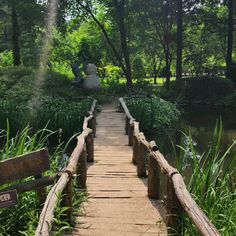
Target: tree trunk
[
  {"x": 155, "y": 73},
  {"x": 179, "y": 40},
  {"x": 230, "y": 34},
  {"x": 15, "y": 36},
  {"x": 120, "y": 6},
  {"x": 167, "y": 71}
]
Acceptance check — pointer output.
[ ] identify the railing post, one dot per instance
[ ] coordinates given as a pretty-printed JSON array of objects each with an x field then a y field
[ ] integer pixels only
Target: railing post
[
  {"x": 126, "y": 125},
  {"x": 41, "y": 192},
  {"x": 174, "y": 211},
  {"x": 141, "y": 167},
  {"x": 82, "y": 169},
  {"x": 153, "y": 179},
  {"x": 90, "y": 147},
  {"x": 131, "y": 133},
  {"x": 135, "y": 148},
  {"x": 67, "y": 199},
  {"x": 92, "y": 125}
]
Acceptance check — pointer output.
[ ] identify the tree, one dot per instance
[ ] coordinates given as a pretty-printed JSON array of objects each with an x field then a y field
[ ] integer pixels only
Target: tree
[
  {"x": 124, "y": 57},
  {"x": 230, "y": 33},
  {"x": 15, "y": 34},
  {"x": 179, "y": 40}
]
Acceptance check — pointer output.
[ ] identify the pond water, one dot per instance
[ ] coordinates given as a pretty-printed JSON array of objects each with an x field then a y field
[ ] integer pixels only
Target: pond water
[{"x": 201, "y": 122}]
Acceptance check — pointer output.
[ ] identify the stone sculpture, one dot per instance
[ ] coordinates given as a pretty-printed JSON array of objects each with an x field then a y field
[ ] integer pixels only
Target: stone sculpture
[{"x": 91, "y": 81}]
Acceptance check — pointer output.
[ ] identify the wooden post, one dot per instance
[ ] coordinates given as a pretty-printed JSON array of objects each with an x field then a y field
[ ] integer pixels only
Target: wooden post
[
  {"x": 90, "y": 147},
  {"x": 41, "y": 191},
  {"x": 135, "y": 149},
  {"x": 153, "y": 179},
  {"x": 141, "y": 167},
  {"x": 67, "y": 199},
  {"x": 131, "y": 133},
  {"x": 174, "y": 211},
  {"x": 82, "y": 169},
  {"x": 126, "y": 125},
  {"x": 92, "y": 125}
]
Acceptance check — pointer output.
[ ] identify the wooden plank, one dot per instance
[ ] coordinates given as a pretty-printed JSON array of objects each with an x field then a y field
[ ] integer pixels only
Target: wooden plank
[
  {"x": 115, "y": 192},
  {"x": 32, "y": 185},
  {"x": 31, "y": 164}
]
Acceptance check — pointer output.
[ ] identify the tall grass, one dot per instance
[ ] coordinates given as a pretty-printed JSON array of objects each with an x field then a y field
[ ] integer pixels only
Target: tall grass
[{"x": 212, "y": 183}]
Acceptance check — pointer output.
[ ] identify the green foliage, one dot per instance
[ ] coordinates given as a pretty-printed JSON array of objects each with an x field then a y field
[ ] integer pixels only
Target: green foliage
[
  {"x": 64, "y": 115},
  {"x": 200, "y": 90},
  {"x": 112, "y": 72},
  {"x": 29, "y": 51},
  {"x": 153, "y": 113},
  {"x": 212, "y": 183},
  {"x": 58, "y": 104},
  {"x": 138, "y": 68},
  {"x": 6, "y": 59}
]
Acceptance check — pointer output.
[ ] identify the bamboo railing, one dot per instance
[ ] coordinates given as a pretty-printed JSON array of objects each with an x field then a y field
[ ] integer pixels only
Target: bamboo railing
[
  {"x": 178, "y": 198},
  {"x": 83, "y": 153}
]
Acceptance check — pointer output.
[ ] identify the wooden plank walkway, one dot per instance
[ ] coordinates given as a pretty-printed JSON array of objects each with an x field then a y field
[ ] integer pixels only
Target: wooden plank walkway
[{"x": 118, "y": 204}]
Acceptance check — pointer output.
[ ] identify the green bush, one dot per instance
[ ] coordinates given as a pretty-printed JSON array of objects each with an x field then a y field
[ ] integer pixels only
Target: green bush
[
  {"x": 200, "y": 90},
  {"x": 113, "y": 72},
  {"x": 6, "y": 59},
  {"x": 153, "y": 113}
]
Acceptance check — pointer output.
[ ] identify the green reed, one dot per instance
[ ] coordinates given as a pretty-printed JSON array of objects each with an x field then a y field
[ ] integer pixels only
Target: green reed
[{"x": 212, "y": 182}]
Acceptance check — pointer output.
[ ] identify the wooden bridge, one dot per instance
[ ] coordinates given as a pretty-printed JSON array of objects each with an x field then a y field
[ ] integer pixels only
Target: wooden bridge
[{"x": 113, "y": 168}]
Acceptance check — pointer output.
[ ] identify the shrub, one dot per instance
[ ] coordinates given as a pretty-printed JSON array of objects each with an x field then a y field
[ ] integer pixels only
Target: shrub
[
  {"x": 200, "y": 90},
  {"x": 113, "y": 72},
  {"x": 153, "y": 113},
  {"x": 6, "y": 59}
]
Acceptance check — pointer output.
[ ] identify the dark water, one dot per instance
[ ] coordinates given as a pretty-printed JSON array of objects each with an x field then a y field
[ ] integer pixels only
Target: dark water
[{"x": 200, "y": 122}]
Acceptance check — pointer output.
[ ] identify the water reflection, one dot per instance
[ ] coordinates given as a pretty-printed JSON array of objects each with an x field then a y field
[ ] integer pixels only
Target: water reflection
[{"x": 201, "y": 122}]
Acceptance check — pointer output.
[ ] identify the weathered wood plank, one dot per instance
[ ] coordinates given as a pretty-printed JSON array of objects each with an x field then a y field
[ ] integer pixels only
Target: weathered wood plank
[
  {"x": 31, "y": 164},
  {"x": 114, "y": 190}
]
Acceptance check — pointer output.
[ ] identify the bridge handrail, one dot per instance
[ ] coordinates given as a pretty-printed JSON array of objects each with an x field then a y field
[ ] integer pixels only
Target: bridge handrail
[
  {"x": 83, "y": 152},
  {"x": 178, "y": 197}
]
